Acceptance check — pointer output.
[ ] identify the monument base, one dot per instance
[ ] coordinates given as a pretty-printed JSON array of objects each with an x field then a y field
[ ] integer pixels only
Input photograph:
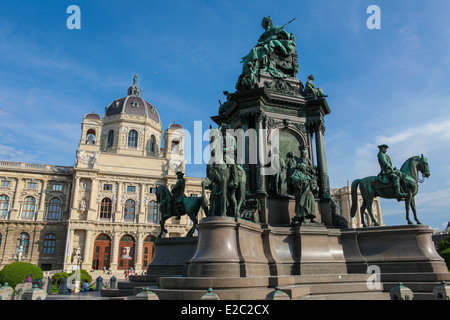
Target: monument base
[{"x": 244, "y": 260}]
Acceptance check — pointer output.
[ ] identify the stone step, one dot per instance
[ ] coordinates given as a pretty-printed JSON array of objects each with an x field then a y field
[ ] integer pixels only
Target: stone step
[{"x": 348, "y": 296}]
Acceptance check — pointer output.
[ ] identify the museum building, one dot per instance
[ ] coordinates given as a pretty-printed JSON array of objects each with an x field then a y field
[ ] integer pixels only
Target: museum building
[{"x": 105, "y": 206}]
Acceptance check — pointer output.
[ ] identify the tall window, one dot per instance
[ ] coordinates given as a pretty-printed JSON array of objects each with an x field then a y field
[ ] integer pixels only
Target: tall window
[
  {"x": 152, "y": 211},
  {"x": 29, "y": 207},
  {"x": 106, "y": 208},
  {"x": 129, "y": 210},
  {"x": 5, "y": 184},
  {"x": 26, "y": 243},
  {"x": 4, "y": 204},
  {"x": 54, "y": 209},
  {"x": 152, "y": 143},
  {"x": 132, "y": 139},
  {"x": 49, "y": 244},
  {"x": 110, "y": 141}
]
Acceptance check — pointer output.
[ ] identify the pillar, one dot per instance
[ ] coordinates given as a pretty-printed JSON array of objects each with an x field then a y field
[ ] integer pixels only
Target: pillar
[
  {"x": 14, "y": 213},
  {"x": 139, "y": 248},
  {"x": 93, "y": 205},
  {"x": 260, "y": 179},
  {"x": 118, "y": 212},
  {"x": 115, "y": 251},
  {"x": 141, "y": 212},
  {"x": 87, "y": 254},
  {"x": 41, "y": 211}
]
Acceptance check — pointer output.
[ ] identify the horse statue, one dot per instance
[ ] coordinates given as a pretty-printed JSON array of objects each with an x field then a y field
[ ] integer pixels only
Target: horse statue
[
  {"x": 371, "y": 187},
  {"x": 191, "y": 207},
  {"x": 225, "y": 191}
]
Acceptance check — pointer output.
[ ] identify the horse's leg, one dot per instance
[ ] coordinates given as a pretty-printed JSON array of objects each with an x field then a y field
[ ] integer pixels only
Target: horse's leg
[
  {"x": 224, "y": 198},
  {"x": 362, "y": 209},
  {"x": 413, "y": 208},
  {"x": 162, "y": 222},
  {"x": 407, "y": 206},
  {"x": 369, "y": 204}
]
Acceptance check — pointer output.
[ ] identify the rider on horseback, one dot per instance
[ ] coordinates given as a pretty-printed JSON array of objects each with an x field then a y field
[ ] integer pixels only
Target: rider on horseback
[
  {"x": 176, "y": 200},
  {"x": 388, "y": 173}
]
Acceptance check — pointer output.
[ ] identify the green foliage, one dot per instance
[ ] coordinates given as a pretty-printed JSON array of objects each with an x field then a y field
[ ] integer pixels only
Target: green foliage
[
  {"x": 17, "y": 272},
  {"x": 443, "y": 244},
  {"x": 446, "y": 255},
  {"x": 57, "y": 277}
]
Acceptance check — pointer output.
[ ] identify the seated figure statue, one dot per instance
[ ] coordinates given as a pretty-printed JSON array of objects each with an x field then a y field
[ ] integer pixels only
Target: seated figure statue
[{"x": 310, "y": 89}]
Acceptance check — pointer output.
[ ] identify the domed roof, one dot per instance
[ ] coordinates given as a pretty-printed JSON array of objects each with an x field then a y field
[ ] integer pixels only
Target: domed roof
[
  {"x": 175, "y": 126},
  {"x": 133, "y": 104},
  {"x": 93, "y": 115}
]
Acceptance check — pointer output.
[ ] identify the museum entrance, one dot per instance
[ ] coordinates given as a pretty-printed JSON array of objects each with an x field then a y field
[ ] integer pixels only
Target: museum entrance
[
  {"x": 102, "y": 249},
  {"x": 126, "y": 252},
  {"x": 149, "y": 248}
]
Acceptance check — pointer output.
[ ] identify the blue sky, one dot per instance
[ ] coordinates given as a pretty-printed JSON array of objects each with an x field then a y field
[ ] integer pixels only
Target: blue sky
[{"x": 384, "y": 86}]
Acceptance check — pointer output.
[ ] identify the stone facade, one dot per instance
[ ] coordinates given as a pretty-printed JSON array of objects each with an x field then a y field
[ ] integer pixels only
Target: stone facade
[{"x": 105, "y": 204}]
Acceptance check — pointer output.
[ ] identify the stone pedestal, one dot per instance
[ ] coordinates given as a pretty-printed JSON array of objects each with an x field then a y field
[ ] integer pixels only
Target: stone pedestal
[
  {"x": 394, "y": 249},
  {"x": 171, "y": 256}
]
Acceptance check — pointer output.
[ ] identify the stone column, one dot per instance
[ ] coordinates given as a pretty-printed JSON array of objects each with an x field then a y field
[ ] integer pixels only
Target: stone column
[
  {"x": 41, "y": 211},
  {"x": 118, "y": 212},
  {"x": 87, "y": 254},
  {"x": 115, "y": 251},
  {"x": 93, "y": 205},
  {"x": 141, "y": 212},
  {"x": 260, "y": 179},
  {"x": 324, "y": 181},
  {"x": 14, "y": 213},
  {"x": 139, "y": 248},
  {"x": 246, "y": 164}
]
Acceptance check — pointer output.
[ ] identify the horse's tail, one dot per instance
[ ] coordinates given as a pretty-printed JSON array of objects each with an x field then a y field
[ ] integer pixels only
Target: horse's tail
[{"x": 354, "y": 197}]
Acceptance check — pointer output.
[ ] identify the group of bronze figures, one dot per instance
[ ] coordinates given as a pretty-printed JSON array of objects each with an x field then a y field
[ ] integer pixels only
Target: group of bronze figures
[{"x": 275, "y": 55}]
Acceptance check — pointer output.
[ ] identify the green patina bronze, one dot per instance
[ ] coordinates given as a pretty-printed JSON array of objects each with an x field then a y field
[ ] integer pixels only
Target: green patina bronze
[
  {"x": 174, "y": 203},
  {"x": 390, "y": 184},
  {"x": 305, "y": 188},
  {"x": 311, "y": 90},
  {"x": 275, "y": 54},
  {"x": 226, "y": 179}
]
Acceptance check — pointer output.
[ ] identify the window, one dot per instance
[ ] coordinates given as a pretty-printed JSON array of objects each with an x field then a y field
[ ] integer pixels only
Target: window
[
  {"x": 152, "y": 212},
  {"x": 194, "y": 195},
  {"x": 49, "y": 244},
  {"x": 129, "y": 210},
  {"x": 131, "y": 188},
  {"x": 152, "y": 190},
  {"x": 6, "y": 184},
  {"x": 106, "y": 208},
  {"x": 26, "y": 242},
  {"x": 132, "y": 139},
  {"x": 152, "y": 143},
  {"x": 29, "y": 206},
  {"x": 110, "y": 141},
  {"x": 90, "y": 136},
  {"x": 107, "y": 187},
  {"x": 54, "y": 209},
  {"x": 0, "y": 239},
  {"x": 57, "y": 187},
  {"x": 4, "y": 204},
  {"x": 32, "y": 185}
]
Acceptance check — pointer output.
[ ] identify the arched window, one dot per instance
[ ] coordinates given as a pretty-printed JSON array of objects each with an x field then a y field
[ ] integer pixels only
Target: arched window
[
  {"x": 29, "y": 207},
  {"x": 4, "y": 204},
  {"x": 90, "y": 136},
  {"x": 152, "y": 143},
  {"x": 132, "y": 139},
  {"x": 49, "y": 244},
  {"x": 26, "y": 242},
  {"x": 152, "y": 211},
  {"x": 110, "y": 141},
  {"x": 54, "y": 209},
  {"x": 106, "y": 208},
  {"x": 129, "y": 210}
]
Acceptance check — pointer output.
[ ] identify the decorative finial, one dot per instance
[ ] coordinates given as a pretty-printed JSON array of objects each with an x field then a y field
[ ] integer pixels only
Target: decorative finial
[{"x": 135, "y": 79}]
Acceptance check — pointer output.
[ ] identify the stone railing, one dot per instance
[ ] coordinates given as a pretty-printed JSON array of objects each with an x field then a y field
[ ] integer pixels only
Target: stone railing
[{"x": 34, "y": 166}]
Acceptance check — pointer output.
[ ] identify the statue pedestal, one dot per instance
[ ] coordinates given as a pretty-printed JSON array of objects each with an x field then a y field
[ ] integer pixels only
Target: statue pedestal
[{"x": 171, "y": 256}]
